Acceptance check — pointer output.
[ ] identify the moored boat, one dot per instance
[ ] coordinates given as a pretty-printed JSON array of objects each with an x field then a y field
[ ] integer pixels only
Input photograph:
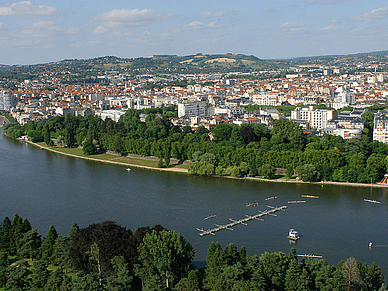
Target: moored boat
[{"x": 293, "y": 234}]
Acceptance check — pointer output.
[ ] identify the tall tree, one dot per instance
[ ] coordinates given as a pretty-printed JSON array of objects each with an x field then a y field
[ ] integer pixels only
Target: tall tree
[
  {"x": 48, "y": 243},
  {"x": 165, "y": 254},
  {"x": 30, "y": 244}
]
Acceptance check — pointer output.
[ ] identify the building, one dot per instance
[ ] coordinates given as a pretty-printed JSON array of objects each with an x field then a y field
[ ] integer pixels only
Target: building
[
  {"x": 380, "y": 128},
  {"x": 190, "y": 109},
  {"x": 316, "y": 118},
  {"x": 345, "y": 126},
  {"x": 7, "y": 101}
]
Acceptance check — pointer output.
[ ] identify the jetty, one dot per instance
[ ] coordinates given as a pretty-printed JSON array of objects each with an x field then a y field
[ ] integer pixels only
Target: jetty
[
  {"x": 296, "y": 201},
  {"x": 310, "y": 256},
  {"x": 243, "y": 221}
]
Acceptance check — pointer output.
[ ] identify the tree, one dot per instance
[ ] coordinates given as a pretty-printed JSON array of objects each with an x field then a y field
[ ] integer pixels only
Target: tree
[
  {"x": 5, "y": 235},
  {"x": 307, "y": 172},
  {"x": 3, "y": 268},
  {"x": 48, "y": 243},
  {"x": 267, "y": 171},
  {"x": 18, "y": 276},
  {"x": 40, "y": 275},
  {"x": 165, "y": 254},
  {"x": 121, "y": 279},
  {"x": 60, "y": 256},
  {"x": 112, "y": 240},
  {"x": 351, "y": 272},
  {"x": 216, "y": 261},
  {"x": 30, "y": 244}
]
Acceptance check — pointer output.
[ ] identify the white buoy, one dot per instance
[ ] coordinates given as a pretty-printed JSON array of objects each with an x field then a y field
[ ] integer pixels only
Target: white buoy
[{"x": 370, "y": 245}]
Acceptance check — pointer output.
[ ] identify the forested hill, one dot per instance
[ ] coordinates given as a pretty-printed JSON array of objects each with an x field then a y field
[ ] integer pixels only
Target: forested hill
[
  {"x": 161, "y": 64},
  {"x": 190, "y": 64}
]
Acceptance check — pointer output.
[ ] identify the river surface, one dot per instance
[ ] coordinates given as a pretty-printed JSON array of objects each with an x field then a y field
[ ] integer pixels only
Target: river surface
[{"x": 49, "y": 188}]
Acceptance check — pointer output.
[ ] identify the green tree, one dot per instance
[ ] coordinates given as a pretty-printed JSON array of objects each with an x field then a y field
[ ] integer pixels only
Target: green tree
[
  {"x": 307, "y": 172},
  {"x": 165, "y": 254},
  {"x": 18, "y": 276},
  {"x": 121, "y": 279},
  {"x": 40, "y": 275},
  {"x": 48, "y": 243},
  {"x": 216, "y": 262},
  {"x": 30, "y": 244}
]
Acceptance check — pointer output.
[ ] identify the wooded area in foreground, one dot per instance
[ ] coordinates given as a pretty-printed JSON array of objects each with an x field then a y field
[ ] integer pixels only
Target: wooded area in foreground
[{"x": 107, "y": 256}]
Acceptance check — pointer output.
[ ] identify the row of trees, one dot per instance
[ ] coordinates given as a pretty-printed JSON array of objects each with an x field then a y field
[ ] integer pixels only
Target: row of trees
[
  {"x": 107, "y": 256},
  {"x": 227, "y": 150}
]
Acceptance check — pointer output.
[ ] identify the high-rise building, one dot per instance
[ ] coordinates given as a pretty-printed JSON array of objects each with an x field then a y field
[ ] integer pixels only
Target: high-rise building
[{"x": 7, "y": 101}]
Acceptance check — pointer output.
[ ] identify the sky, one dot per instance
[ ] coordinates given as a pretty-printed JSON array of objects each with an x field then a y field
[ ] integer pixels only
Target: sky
[{"x": 42, "y": 31}]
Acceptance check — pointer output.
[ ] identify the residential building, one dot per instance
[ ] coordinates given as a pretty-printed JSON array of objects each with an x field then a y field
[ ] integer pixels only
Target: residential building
[
  {"x": 190, "y": 109},
  {"x": 380, "y": 128},
  {"x": 316, "y": 118}
]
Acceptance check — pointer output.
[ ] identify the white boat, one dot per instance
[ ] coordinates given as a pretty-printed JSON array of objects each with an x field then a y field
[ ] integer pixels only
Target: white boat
[
  {"x": 372, "y": 201},
  {"x": 128, "y": 169},
  {"x": 293, "y": 234},
  {"x": 210, "y": 216},
  {"x": 297, "y": 201}
]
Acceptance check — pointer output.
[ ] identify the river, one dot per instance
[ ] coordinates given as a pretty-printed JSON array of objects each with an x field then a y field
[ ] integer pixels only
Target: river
[{"x": 49, "y": 188}]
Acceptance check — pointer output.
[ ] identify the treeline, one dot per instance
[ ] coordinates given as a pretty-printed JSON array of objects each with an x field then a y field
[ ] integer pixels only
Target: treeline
[
  {"x": 228, "y": 149},
  {"x": 107, "y": 256}
]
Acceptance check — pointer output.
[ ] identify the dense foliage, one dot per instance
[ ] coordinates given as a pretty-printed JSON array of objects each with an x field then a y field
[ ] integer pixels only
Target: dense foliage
[
  {"x": 228, "y": 150},
  {"x": 107, "y": 256}
]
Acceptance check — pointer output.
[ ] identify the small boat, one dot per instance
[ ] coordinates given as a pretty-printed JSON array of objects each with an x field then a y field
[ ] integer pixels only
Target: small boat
[
  {"x": 293, "y": 234},
  {"x": 372, "y": 201},
  {"x": 252, "y": 204},
  {"x": 128, "y": 169},
  {"x": 297, "y": 201},
  {"x": 210, "y": 216},
  {"x": 310, "y": 196},
  {"x": 270, "y": 198}
]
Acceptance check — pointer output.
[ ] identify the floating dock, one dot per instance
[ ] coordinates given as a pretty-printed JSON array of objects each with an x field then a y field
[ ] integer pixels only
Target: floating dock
[
  {"x": 310, "y": 256},
  {"x": 241, "y": 221}
]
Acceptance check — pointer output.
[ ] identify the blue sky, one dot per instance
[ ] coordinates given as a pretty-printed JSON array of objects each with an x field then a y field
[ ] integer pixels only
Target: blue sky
[{"x": 39, "y": 31}]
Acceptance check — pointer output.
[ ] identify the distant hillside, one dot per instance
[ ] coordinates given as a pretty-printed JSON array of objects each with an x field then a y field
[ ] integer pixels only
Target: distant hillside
[
  {"x": 159, "y": 64},
  {"x": 86, "y": 70}
]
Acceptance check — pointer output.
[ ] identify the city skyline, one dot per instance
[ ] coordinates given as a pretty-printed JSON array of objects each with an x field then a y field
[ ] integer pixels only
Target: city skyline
[{"x": 47, "y": 31}]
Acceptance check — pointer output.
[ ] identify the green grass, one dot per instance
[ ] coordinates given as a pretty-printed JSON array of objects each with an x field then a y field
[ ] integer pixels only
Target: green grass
[{"x": 111, "y": 158}]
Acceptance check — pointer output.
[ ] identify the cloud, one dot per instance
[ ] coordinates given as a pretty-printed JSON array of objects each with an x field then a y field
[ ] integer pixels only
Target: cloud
[
  {"x": 292, "y": 26},
  {"x": 332, "y": 28},
  {"x": 373, "y": 15},
  {"x": 101, "y": 29},
  {"x": 208, "y": 14},
  {"x": 46, "y": 28},
  {"x": 127, "y": 17},
  {"x": 200, "y": 25},
  {"x": 27, "y": 9}
]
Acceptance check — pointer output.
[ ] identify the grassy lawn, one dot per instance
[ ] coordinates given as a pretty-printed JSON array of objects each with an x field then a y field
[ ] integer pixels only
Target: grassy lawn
[{"x": 109, "y": 157}]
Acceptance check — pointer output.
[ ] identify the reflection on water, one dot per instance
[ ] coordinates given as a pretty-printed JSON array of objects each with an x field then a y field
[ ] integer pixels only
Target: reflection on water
[{"x": 52, "y": 189}]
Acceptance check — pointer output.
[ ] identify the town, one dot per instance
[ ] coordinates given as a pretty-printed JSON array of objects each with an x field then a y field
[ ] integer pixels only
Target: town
[{"x": 323, "y": 98}]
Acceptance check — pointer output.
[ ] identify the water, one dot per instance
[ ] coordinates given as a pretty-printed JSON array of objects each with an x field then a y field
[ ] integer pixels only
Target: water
[{"x": 48, "y": 188}]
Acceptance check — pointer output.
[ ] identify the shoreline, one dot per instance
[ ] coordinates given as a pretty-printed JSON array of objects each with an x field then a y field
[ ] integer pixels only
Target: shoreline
[{"x": 186, "y": 171}]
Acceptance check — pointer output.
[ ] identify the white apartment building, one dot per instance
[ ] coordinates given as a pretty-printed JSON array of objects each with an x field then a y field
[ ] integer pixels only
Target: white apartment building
[
  {"x": 112, "y": 114},
  {"x": 190, "y": 109},
  {"x": 316, "y": 118},
  {"x": 269, "y": 99},
  {"x": 380, "y": 128}
]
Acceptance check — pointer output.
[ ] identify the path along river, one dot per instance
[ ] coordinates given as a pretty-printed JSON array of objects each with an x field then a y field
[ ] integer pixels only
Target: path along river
[{"x": 49, "y": 188}]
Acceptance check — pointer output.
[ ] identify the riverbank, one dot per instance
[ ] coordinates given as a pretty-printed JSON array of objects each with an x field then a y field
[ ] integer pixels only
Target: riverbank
[
  {"x": 152, "y": 165},
  {"x": 142, "y": 162}
]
